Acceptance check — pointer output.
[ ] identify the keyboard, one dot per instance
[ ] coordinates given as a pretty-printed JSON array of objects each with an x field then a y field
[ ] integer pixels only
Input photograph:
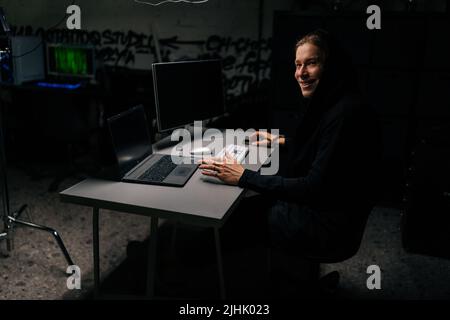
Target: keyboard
[
  {"x": 236, "y": 151},
  {"x": 160, "y": 170}
]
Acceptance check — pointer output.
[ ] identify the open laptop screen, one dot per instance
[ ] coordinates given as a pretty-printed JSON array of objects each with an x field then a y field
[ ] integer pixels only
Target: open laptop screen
[{"x": 130, "y": 137}]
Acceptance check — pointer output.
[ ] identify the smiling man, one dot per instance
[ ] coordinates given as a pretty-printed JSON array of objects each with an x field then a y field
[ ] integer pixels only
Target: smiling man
[
  {"x": 309, "y": 65},
  {"x": 320, "y": 203}
]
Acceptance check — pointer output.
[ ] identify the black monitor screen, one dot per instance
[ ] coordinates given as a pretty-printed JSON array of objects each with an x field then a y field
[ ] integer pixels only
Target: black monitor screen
[
  {"x": 187, "y": 91},
  {"x": 74, "y": 61},
  {"x": 130, "y": 137}
]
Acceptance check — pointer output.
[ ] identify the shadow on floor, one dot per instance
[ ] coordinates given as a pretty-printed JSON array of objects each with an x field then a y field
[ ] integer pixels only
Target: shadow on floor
[{"x": 189, "y": 270}]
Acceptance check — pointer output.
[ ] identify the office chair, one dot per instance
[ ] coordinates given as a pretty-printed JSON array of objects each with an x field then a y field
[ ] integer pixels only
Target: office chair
[
  {"x": 328, "y": 283},
  {"x": 303, "y": 269}
]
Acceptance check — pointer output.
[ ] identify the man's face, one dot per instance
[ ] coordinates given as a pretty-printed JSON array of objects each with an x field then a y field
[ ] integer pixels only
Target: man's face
[{"x": 308, "y": 68}]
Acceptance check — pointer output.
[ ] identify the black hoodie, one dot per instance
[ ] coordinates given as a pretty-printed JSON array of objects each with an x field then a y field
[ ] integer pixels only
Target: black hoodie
[{"x": 330, "y": 180}]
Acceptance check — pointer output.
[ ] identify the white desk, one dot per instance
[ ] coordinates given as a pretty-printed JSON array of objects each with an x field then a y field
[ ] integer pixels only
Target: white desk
[{"x": 197, "y": 203}]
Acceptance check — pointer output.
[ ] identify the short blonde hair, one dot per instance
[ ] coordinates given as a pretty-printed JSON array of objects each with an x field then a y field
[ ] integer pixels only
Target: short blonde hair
[{"x": 319, "y": 38}]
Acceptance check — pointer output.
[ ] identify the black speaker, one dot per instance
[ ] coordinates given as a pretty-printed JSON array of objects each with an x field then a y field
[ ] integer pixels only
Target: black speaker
[{"x": 426, "y": 216}]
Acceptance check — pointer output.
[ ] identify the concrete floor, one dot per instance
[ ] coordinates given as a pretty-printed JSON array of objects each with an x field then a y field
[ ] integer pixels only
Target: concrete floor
[{"x": 36, "y": 269}]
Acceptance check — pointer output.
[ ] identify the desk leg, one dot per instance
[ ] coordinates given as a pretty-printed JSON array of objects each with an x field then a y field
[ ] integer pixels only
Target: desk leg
[
  {"x": 219, "y": 263},
  {"x": 96, "y": 245},
  {"x": 151, "y": 261}
]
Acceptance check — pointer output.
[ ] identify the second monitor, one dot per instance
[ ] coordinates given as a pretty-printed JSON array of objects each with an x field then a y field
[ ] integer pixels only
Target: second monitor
[
  {"x": 186, "y": 92},
  {"x": 70, "y": 61}
]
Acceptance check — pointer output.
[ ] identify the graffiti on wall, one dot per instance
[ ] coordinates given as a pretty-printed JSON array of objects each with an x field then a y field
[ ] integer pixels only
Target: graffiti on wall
[{"x": 245, "y": 60}]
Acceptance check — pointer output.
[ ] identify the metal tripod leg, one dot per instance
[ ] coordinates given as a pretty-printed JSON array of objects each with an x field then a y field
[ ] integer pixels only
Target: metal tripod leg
[
  {"x": 9, "y": 220},
  {"x": 5, "y": 200},
  {"x": 47, "y": 229},
  {"x": 10, "y": 227},
  {"x": 19, "y": 212},
  {"x": 9, "y": 242}
]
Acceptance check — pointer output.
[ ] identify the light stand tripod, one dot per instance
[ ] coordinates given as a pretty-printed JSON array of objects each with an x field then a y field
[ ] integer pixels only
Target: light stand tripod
[{"x": 11, "y": 220}]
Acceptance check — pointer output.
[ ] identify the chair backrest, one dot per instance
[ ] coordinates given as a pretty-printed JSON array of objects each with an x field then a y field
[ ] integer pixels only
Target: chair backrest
[{"x": 349, "y": 248}]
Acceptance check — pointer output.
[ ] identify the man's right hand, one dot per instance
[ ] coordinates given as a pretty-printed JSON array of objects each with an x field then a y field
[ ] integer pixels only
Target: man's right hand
[{"x": 263, "y": 138}]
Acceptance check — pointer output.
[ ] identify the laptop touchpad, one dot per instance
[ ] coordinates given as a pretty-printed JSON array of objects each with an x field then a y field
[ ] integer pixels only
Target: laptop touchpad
[{"x": 181, "y": 171}]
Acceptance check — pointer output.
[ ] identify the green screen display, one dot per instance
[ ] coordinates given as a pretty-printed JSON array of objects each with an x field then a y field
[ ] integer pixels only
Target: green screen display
[
  {"x": 74, "y": 61},
  {"x": 71, "y": 61}
]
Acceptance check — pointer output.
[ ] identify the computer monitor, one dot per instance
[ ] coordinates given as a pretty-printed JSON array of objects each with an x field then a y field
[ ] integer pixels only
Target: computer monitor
[
  {"x": 71, "y": 61},
  {"x": 21, "y": 59},
  {"x": 187, "y": 91}
]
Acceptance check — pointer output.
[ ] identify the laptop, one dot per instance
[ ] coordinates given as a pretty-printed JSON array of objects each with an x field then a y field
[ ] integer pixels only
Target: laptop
[{"x": 135, "y": 160}]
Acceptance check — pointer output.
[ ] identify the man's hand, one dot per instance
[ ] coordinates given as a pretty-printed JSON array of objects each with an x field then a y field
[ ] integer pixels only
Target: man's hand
[
  {"x": 226, "y": 169},
  {"x": 262, "y": 138}
]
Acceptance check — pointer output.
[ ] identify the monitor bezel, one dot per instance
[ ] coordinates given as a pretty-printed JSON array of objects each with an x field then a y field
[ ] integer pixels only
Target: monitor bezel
[{"x": 124, "y": 169}]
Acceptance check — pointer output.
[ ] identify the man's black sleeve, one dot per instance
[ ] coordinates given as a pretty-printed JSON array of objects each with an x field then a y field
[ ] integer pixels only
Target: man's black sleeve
[{"x": 304, "y": 188}]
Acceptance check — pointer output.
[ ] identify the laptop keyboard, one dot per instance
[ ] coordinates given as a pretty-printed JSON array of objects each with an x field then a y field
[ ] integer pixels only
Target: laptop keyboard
[{"x": 160, "y": 170}]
